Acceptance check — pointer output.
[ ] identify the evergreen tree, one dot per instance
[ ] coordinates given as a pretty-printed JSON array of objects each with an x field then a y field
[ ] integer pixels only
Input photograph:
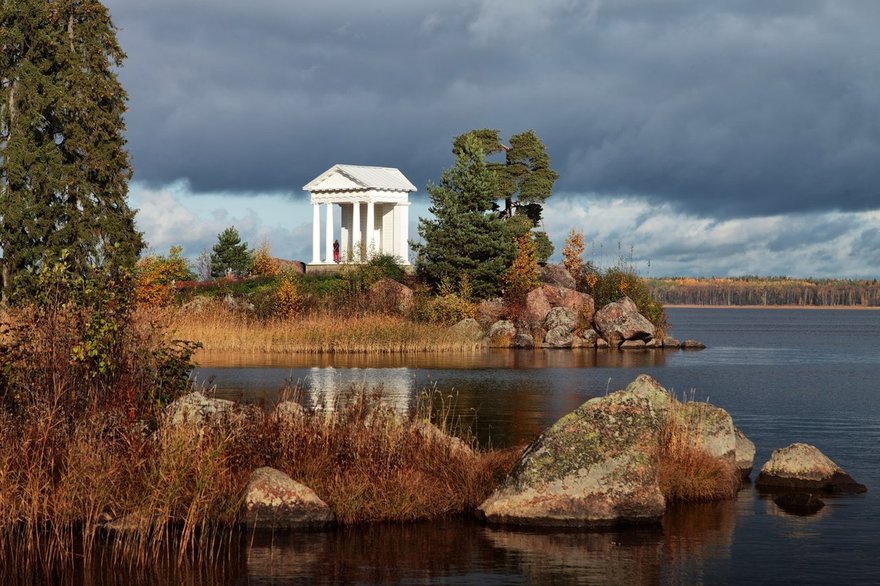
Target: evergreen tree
[
  {"x": 64, "y": 170},
  {"x": 230, "y": 253},
  {"x": 525, "y": 178},
  {"x": 466, "y": 238}
]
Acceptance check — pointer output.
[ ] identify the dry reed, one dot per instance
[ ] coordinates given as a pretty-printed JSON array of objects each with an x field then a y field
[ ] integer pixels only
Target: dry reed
[
  {"x": 220, "y": 329},
  {"x": 62, "y": 481},
  {"x": 685, "y": 472}
]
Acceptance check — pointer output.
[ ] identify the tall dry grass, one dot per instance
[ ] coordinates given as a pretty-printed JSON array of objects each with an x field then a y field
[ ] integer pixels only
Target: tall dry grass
[
  {"x": 221, "y": 329},
  {"x": 685, "y": 472},
  {"x": 64, "y": 483}
]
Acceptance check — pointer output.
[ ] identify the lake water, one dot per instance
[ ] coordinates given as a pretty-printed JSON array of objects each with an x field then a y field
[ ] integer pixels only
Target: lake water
[{"x": 784, "y": 375}]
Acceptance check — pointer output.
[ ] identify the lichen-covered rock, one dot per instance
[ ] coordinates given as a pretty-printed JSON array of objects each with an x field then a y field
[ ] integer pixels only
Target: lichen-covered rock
[
  {"x": 670, "y": 342},
  {"x": 802, "y": 467},
  {"x": 558, "y": 337},
  {"x": 602, "y": 344},
  {"x": 196, "y": 409},
  {"x": 556, "y": 274},
  {"x": 692, "y": 345},
  {"x": 621, "y": 319},
  {"x": 561, "y": 317},
  {"x": 590, "y": 337},
  {"x": 745, "y": 454},
  {"x": 501, "y": 333},
  {"x": 273, "y": 500},
  {"x": 632, "y": 345},
  {"x": 592, "y": 467},
  {"x": 523, "y": 340},
  {"x": 469, "y": 329},
  {"x": 710, "y": 429}
]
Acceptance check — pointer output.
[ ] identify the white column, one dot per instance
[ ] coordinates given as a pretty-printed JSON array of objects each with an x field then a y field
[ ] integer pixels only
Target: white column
[
  {"x": 316, "y": 233},
  {"x": 357, "y": 230},
  {"x": 401, "y": 225},
  {"x": 371, "y": 229},
  {"x": 328, "y": 240}
]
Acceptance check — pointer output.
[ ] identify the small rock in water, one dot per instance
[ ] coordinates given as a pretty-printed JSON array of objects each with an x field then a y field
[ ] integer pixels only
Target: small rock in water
[
  {"x": 799, "y": 503},
  {"x": 670, "y": 342},
  {"x": 692, "y": 345},
  {"x": 273, "y": 500},
  {"x": 800, "y": 467}
]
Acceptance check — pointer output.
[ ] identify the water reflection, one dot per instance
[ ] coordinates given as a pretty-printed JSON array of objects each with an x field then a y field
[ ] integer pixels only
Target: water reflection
[
  {"x": 696, "y": 533},
  {"x": 488, "y": 358},
  {"x": 327, "y": 387},
  {"x": 375, "y": 554},
  {"x": 630, "y": 556}
]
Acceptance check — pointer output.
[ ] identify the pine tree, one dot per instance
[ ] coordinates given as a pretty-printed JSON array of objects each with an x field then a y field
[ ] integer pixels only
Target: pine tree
[
  {"x": 64, "y": 170},
  {"x": 230, "y": 253},
  {"x": 525, "y": 178},
  {"x": 466, "y": 238}
]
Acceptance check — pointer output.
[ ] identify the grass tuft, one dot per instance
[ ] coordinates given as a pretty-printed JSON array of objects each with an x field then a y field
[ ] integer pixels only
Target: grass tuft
[{"x": 687, "y": 473}]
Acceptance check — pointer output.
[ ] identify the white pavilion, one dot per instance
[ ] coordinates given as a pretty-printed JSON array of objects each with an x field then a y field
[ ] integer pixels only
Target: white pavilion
[{"x": 374, "y": 213}]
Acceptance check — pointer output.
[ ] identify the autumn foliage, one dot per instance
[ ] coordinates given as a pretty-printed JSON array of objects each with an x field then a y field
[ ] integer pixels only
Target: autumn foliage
[{"x": 156, "y": 275}]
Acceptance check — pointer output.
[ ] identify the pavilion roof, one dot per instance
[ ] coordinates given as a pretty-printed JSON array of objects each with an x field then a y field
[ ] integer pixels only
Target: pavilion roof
[{"x": 360, "y": 178}]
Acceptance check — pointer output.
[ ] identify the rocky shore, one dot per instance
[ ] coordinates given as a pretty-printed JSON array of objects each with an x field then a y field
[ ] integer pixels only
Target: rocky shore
[
  {"x": 555, "y": 315},
  {"x": 608, "y": 462}
]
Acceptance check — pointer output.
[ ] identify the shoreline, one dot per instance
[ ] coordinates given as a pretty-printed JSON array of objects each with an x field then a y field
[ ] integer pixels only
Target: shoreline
[{"x": 809, "y": 307}]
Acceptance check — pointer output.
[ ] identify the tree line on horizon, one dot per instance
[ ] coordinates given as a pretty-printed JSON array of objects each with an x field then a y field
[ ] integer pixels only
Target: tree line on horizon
[{"x": 766, "y": 291}]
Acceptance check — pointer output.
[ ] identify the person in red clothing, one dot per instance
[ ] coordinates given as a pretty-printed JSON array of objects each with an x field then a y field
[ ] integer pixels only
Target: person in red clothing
[{"x": 336, "y": 251}]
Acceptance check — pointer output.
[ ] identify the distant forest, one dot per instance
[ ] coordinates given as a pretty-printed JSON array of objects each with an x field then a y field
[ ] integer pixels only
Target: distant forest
[{"x": 766, "y": 291}]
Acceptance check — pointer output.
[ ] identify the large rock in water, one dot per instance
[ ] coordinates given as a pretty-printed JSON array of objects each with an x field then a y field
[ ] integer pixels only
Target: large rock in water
[
  {"x": 593, "y": 467},
  {"x": 273, "y": 500},
  {"x": 622, "y": 320},
  {"x": 710, "y": 429},
  {"x": 745, "y": 454},
  {"x": 802, "y": 467}
]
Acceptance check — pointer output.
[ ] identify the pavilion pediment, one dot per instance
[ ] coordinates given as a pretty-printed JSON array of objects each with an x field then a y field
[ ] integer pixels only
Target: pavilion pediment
[{"x": 336, "y": 181}]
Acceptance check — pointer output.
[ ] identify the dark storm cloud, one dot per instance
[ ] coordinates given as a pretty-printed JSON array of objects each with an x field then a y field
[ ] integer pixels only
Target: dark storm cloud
[{"x": 722, "y": 108}]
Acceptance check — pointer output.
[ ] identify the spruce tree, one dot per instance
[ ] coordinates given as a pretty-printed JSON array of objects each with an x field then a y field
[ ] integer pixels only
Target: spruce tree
[
  {"x": 466, "y": 238},
  {"x": 64, "y": 170},
  {"x": 230, "y": 253}
]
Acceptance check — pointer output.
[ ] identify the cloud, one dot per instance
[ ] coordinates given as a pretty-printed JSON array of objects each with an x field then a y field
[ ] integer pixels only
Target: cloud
[
  {"x": 717, "y": 109},
  {"x": 173, "y": 215},
  {"x": 659, "y": 240}
]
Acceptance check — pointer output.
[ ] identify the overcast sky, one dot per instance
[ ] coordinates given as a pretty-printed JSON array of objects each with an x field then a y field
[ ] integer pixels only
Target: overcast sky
[{"x": 702, "y": 137}]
